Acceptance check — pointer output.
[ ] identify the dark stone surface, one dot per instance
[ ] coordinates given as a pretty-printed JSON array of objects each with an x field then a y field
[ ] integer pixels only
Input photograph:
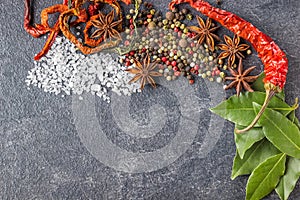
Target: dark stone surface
[{"x": 43, "y": 157}]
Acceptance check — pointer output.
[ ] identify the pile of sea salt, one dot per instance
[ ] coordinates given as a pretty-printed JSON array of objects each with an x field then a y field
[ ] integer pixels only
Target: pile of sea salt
[{"x": 65, "y": 71}]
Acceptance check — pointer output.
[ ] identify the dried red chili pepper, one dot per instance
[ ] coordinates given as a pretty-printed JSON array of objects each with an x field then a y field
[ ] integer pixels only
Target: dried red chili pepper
[
  {"x": 44, "y": 27},
  {"x": 273, "y": 58},
  {"x": 36, "y": 31},
  {"x": 64, "y": 27}
]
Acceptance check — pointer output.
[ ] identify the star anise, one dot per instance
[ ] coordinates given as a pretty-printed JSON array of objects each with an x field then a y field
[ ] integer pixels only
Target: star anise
[
  {"x": 240, "y": 78},
  {"x": 105, "y": 26},
  {"x": 205, "y": 32},
  {"x": 144, "y": 72},
  {"x": 232, "y": 49}
]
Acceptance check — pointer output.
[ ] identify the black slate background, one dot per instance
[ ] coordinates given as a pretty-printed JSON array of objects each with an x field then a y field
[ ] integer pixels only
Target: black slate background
[{"x": 42, "y": 157}]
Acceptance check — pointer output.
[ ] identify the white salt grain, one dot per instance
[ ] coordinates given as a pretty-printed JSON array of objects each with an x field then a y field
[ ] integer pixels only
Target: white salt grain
[{"x": 65, "y": 71}]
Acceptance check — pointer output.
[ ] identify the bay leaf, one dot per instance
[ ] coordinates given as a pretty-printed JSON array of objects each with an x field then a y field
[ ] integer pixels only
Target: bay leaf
[
  {"x": 288, "y": 181},
  {"x": 257, "y": 154},
  {"x": 244, "y": 141},
  {"x": 280, "y": 131},
  {"x": 293, "y": 118},
  {"x": 240, "y": 110},
  {"x": 265, "y": 177}
]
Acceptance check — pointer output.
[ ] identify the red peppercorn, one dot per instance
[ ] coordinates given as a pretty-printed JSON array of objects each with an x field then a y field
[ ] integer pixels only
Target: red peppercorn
[
  {"x": 190, "y": 35},
  {"x": 191, "y": 81},
  {"x": 179, "y": 34},
  {"x": 175, "y": 69},
  {"x": 174, "y": 63},
  {"x": 131, "y": 26},
  {"x": 131, "y": 21},
  {"x": 128, "y": 63},
  {"x": 191, "y": 52},
  {"x": 164, "y": 59},
  {"x": 168, "y": 62},
  {"x": 149, "y": 16},
  {"x": 193, "y": 44},
  {"x": 131, "y": 53},
  {"x": 131, "y": 32},
  {"x": 196, "y": 67},
  {"x": 176, "y": 29}
]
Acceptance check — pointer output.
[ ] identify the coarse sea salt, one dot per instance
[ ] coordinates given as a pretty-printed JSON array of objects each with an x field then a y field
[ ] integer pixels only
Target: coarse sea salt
[{"x": 64, "y": 71}]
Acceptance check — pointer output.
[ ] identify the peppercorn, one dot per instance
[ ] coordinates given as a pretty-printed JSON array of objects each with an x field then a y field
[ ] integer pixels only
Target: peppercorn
[
  {"x": 183, "y": 43},
  {"x": 189, "y": 17},
  {"x": 170, "y": 16},
  {"x": 151, "y": 25},
  {"x": 185, "y": 11}
]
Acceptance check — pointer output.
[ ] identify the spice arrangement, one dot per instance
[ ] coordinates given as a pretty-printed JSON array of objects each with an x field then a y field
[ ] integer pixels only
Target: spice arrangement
[{"x": 148, "y": 44}]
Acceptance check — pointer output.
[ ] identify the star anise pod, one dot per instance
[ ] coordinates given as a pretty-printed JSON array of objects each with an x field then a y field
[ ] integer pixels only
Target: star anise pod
[
  {"x": 105, "y": 26},
  {"x": 232, "y": 49},
  {"x": 144, "y": 72},
  {"x": 205, "y": 32},
  {"x": 240, "y": 78}
]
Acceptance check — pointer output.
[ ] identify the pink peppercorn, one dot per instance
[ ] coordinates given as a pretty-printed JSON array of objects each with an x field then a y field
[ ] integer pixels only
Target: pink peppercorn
[
  {"x": 196, "y": 67},
  {"x": 177, "y": 73},
  {"x": 175, "y": 68},
  {"x": 174, "y": 63},
  {"x": 126, "y": 42}
]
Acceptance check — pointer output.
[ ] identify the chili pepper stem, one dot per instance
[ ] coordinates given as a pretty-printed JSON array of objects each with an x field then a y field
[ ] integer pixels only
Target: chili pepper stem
[{"x": 269, "y": 95}]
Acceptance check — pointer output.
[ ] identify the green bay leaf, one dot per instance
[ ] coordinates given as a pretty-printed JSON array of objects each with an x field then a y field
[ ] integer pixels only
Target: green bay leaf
[
  {"x": 265, "y": 177},
  {"x": 280, "y": 131},
  {"x": 290, "y": 178},
  {"x": 293, "y": 118},
  {"x": 240, "y": 109},
  {"x": 257, "y": 154},
  {"x": 244, "y": 141}
]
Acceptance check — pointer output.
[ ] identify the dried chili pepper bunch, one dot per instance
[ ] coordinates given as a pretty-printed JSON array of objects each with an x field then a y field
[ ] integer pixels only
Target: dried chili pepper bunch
[
  {"x": 63, "y": 24},
  {"x": 168, "y": 41}
]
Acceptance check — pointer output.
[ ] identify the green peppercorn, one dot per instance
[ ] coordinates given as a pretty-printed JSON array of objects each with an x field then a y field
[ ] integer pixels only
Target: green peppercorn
[
  {"x": 165, "y": 21},
  {"x": 178, "y": 24},
  {"x": 189, "y": 17},
  {"x": 152, "y": 11}
]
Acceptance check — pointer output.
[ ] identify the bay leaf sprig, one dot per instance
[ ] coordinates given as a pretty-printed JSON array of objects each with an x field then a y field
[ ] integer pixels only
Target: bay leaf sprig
[{"x": 269, "y": 152}]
